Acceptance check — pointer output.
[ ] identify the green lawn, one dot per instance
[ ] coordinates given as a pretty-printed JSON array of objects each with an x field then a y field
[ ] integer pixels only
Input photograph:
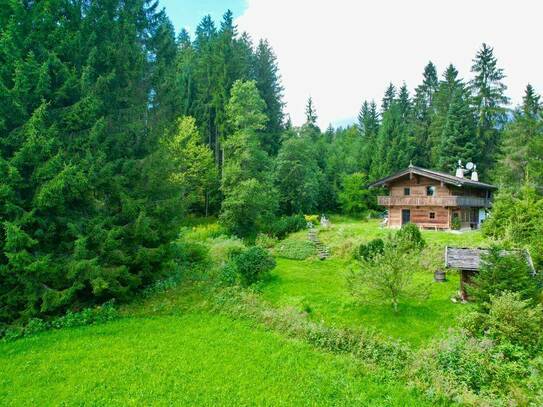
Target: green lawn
[
  {"x": 163, "y": 351},
  {"x": 320, "y": 286},
  {"x": 193, "y": 359}
]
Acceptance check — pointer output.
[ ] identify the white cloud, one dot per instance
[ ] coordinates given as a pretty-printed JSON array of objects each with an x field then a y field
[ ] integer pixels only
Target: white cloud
[{"x": 344, "y": 51}]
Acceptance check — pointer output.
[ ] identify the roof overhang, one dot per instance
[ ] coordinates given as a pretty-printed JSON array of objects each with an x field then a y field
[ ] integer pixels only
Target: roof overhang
[{"x": 439, "y": 176}]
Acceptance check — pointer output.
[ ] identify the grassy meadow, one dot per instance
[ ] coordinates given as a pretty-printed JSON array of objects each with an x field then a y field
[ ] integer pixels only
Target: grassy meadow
[
  {"x": 320, "y": 287},
  {"x": 188, "y": 359},
  {"x": 170, "y": 349}
]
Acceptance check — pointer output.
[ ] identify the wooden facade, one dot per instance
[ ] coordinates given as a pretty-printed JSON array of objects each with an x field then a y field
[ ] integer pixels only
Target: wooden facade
[{"x": 432, "y": 199}]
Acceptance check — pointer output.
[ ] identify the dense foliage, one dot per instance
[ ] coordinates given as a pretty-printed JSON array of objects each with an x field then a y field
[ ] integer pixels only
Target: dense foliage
[
  {"x": 388, "y": 267},
  {"x": 504, "y": 271},
  {"x": 87, "y": 204}
]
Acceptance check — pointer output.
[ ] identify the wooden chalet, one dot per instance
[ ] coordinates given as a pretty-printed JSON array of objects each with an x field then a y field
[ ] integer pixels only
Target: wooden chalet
[{"x": 432, "y": 199}]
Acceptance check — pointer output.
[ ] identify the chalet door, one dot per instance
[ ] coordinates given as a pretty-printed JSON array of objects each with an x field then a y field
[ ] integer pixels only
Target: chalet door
[{"x": 406, "y": 216}]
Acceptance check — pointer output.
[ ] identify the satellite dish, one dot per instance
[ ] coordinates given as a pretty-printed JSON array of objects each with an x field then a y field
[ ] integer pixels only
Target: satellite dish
[{"x": 470, "y": 166}]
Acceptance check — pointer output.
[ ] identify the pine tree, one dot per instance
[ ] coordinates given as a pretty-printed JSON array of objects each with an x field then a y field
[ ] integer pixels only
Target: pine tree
[
  {"x": 489, "y": 100},
  {"x": 89, "y": 211},
  {"x": 404, "y": 102},
  {"x": 394, "y": 147},
  {"x": 457, "y": 141},
  {"x": 440, "y": 110},
  {"x": 388, "y": 99},
  {"x": 368, "y": 124},
  {"x": 310, "y": 113},
  {"x": 423, "y": 111},
  {"x": 269, "y": 85},
  {"x": 522, "y": 153}
]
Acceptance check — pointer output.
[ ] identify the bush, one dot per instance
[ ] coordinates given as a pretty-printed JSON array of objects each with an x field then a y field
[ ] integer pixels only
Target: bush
[
  {"x": 222, "y": 248},
  {"x": 493, "y": 359},
  {"x": 388, "y": 277},
  {"x": 87, "y": 316},
  {"x": 455, "y": 223},
  {"x": 253, "y": 264},
  {"x": 187, "y": 253},
  {"x": 265, "y": 241},
  {"x": 314, "y": 219},
  {"x": 201, "y": 233},
  {"x": 409, "y": 238},
  {"x": 509, "y": 320},
  {"x": 367, "y": 251},
  {"x": 228, "y": 274},
  {"x": 286, "y": 225},
  {"x": 295, "y": 249},
  {"x": 501, "y": 271}
]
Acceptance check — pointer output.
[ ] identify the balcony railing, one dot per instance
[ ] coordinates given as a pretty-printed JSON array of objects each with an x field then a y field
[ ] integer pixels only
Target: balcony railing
[{"x": 461, "y": 201}]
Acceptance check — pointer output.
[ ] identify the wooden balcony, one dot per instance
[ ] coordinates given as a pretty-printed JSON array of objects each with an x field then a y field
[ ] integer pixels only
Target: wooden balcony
[{"x": 452, "y": 201}]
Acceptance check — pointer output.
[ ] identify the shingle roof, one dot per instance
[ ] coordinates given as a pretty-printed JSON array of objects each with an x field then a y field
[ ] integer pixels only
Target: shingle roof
[
  {"x": 468, "y": 258},
  {"x": 440, "y": 176}
]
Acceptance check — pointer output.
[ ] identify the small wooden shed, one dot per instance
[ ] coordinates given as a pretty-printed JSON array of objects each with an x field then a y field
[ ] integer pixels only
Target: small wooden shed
[{"x": 468, "y": 261}]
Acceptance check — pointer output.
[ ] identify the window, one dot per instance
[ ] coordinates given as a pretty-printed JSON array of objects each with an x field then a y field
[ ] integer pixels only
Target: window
[
  {"x": 430, "y": 191},
  {"x": 432, "y": 215},
  {"x": 407, "y": 191}
]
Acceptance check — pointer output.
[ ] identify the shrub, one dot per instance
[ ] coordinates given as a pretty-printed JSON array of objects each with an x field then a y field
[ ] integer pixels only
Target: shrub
[
  {"x": 368, "y": 251},
  {"x": 501, "y": 271},
  {"x": 87, "y": 316},
  {"x": 409, "y": 237},
  {"x": 285, "y": 225},
  {"x": 228, "y": 274},
  {"x": 265, "y": 241},
  {"x": 295, "y": 249},
  {"x": 314, "y": 219},
  {"x": 187, "y": 252},
  {"x": 223, "y": 247},
  {"x": 455, "y": 223},
  {"x": 201, "y": 233},
  {"x": 509, "y": 320},
  {"x": 493, "y": 359},
  {"x": 253, "y": 264},
  {"x": 388, "y": 277}
]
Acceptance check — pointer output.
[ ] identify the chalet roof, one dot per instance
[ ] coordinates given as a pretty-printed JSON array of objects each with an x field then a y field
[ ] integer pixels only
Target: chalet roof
[
  {"x": 437, "y": 175},
  {"x": 466, "y": 258}
]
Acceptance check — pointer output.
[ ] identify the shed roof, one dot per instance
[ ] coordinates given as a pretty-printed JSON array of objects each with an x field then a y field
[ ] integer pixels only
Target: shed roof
[
  {"x": 437, "y": 175},
  {"x": 466, "y": 258}
]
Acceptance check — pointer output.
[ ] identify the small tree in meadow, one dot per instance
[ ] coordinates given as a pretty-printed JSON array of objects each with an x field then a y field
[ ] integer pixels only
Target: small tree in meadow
[
  {"x": 388, "y": 275},
  {"x": 253, "y": 264}
]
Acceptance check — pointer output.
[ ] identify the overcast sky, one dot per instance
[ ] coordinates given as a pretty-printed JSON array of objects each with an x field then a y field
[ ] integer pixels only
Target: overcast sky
[{"x": 344, "y": 51}]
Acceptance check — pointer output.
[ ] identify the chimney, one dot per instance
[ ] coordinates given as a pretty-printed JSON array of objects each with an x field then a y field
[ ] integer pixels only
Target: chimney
[{"x": 460, "y": 170}]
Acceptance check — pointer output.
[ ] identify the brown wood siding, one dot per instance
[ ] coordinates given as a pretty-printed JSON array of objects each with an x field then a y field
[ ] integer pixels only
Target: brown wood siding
[
  {"x": 417, "y": 186},
  {"x": 420, "y": 216}
]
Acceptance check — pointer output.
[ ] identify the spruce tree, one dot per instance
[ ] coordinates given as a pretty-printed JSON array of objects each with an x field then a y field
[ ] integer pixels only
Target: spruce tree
[
  {"x": 489, "y": 100},
  {"x": 269, "y": 85},
  {"x": 368, "y": 124},
  {"x": 423, "y": 110},
  {"x": 457, "y": 142},
  {"x": 522, "y": 151},
  {"x": 388, "y": 99},
  {"x": 89, "y": 211},
  {"x": 440, "y": 110}
]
